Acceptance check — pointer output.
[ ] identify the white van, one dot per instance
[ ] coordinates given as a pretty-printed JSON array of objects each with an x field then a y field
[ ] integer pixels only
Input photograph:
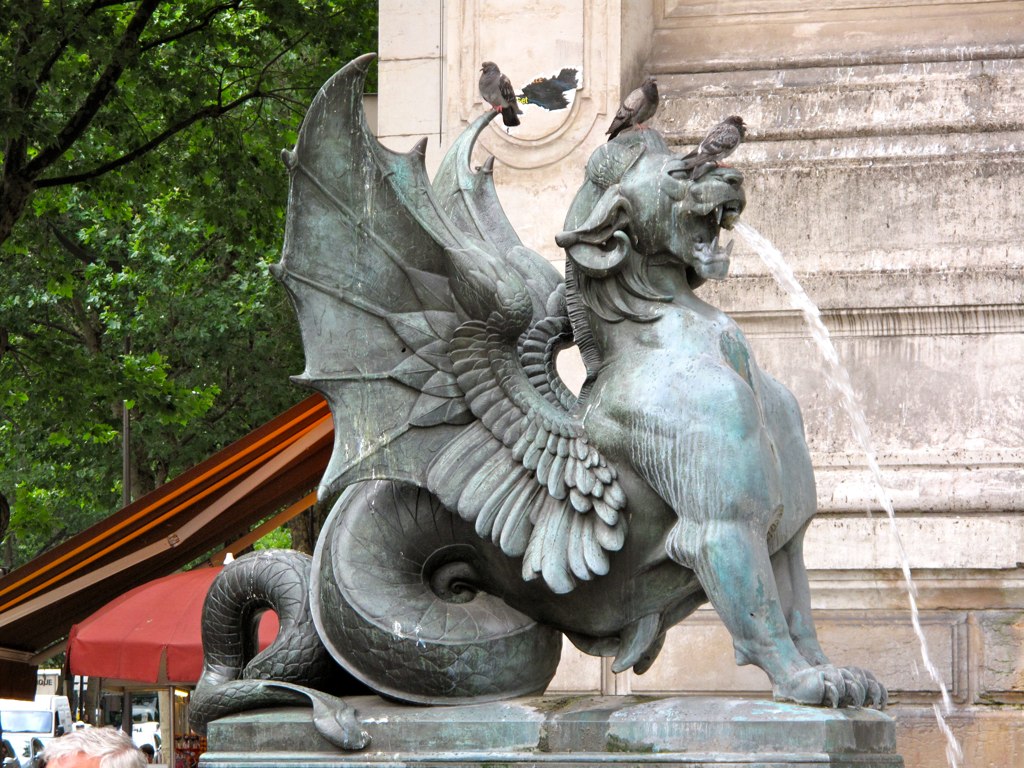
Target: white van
[{"x": 29, "y": 725}]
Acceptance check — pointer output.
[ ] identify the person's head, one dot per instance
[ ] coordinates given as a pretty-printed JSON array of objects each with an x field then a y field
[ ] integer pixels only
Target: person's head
[
  {"x": 93, "y": 748},
  {"x": 148, "y": 751}
]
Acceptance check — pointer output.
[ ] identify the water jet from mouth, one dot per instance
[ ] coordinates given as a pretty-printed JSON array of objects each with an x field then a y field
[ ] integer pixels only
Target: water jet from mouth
[{"x": 839, "y": 382}]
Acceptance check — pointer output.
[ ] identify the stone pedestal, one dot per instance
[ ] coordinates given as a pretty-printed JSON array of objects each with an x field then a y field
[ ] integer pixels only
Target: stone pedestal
[{"x": 559, "y": 731}]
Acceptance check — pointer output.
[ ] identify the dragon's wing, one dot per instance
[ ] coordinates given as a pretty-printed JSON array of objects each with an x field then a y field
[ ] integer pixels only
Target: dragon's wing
[
  {"x": 432, "y": 332},
  {"x": 370, "y": 290}
]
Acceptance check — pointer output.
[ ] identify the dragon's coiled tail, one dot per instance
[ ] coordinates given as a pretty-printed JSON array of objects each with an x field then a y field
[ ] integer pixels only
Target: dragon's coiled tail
[
  {"x": 405, "y": 596},
  {"x": 235, "y": 678}
]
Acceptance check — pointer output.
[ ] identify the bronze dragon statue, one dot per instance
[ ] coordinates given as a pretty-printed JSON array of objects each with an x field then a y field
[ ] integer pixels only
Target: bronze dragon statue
[{"x": 483, "y": 510}]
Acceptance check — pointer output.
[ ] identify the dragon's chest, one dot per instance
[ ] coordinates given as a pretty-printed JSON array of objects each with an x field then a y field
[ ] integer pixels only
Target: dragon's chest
[{"x": 736, "y": 354}]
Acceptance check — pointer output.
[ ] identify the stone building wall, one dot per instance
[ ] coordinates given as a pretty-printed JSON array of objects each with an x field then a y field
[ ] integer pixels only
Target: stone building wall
[{"x": 886, "y": 161}]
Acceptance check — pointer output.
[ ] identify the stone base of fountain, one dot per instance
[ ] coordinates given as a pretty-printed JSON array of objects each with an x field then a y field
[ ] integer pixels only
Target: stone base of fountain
[{"x": 564, "y": 731}]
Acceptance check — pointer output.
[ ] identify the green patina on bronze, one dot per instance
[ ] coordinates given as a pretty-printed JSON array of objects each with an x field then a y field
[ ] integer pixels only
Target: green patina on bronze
[{"x": 486, "y": 510}]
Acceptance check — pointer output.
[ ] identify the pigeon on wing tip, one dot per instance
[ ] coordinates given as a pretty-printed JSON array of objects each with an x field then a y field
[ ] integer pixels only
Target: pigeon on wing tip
[
  {"x": 636, "y": 109},
  {"x": 496, "y": 89},
  {"x": 720, "y": 142}
]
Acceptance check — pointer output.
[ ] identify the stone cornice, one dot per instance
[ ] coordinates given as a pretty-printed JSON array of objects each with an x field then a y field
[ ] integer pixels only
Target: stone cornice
[
  {"x": 702, "y": 37},
  {"x": 888, "y": 321},
  {"x": 986, "y": 486}
]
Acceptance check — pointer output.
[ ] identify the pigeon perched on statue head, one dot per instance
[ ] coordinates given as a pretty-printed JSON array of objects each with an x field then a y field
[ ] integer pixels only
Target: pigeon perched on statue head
[
  {"x": 720, "y": 142},
  {"x": 636, "y": 109},
  {"x": 496, "y": 89}
]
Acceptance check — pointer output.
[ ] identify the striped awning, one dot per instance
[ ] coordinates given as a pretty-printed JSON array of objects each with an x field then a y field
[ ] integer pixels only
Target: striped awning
[{"x": 211, "y": 508}]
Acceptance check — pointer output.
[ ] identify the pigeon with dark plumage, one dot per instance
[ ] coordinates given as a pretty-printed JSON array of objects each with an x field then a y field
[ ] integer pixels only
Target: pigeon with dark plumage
[
  {"x": 636, "y": 109},
  {"x": 549, "y": 92},
  {"x": 720, "y": 142},
  {"x": 496, "y": 89}
]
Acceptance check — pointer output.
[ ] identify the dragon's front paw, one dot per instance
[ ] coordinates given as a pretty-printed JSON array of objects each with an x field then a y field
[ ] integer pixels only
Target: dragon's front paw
[
  {"x": 818, "y": 686},
  {"x": 826, "y": 685},
  {"x": 875, "y": 694}
]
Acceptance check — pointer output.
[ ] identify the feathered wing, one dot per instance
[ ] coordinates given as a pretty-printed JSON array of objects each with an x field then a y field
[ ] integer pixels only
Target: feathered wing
[
  {"x": 626, "y": 115},
  {"x": 432, "y": 331}
]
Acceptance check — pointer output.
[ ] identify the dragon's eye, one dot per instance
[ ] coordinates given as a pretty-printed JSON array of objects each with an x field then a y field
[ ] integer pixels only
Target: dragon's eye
[
  {"x": 677, "y": 171},
  {"x": 677, "y": 182}
]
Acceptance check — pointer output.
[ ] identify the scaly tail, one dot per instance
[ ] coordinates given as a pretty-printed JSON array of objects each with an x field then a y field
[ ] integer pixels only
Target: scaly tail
[{"x": 295, "y": 670}]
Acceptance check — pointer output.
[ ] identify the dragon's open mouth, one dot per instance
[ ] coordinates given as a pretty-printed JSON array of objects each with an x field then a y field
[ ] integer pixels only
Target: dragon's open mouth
[
  {"x": 709, "y": 252},
  {"x": 727, "y": 213},
  {"x": 710, "y": 258},
  {"x": 720, "y": 215}
]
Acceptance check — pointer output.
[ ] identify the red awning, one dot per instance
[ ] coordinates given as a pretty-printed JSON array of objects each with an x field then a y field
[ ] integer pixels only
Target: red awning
[
  {"x": 152, "y": 633},
  {"x": 268, "y": 475}
]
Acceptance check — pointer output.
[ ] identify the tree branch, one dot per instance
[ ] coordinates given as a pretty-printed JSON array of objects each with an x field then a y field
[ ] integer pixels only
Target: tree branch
[
  {"x": 125, "y": 53},
  {"x": 91, "y": 336},
  {"x": 72, "y": 246},
  {"x": 43, "y": 76},
  {"x": 99, "y": 5},
  {"x": 16, "y": 146},
  {"x": 5, "y": 515},
  {"x": 213, "y": 110},
  {"x": 200, "y": 25},
  {"x": 54, "y": 326},
  {"x": 56, "y": 538}
]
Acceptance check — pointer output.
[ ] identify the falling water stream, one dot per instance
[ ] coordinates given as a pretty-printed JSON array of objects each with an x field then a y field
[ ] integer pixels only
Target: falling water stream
[{"x": 839, "y": 381}]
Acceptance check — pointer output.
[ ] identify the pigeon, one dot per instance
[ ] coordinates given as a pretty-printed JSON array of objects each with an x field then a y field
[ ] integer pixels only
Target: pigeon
[
  {"x": 636, "y": 109},
  {"x": 496, "y": 89},
  {"x": 549, "y": 92},
  {"x": 720, "y": 142}
]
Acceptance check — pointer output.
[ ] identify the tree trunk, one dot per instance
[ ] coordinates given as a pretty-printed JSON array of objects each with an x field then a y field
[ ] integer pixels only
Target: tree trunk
[
  {"x": 305, "y": 528},
  {"x": 14, "y": 194}
]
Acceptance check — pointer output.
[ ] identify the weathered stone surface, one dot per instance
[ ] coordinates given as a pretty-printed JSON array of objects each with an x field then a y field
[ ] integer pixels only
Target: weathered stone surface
[
  {"x": 815, "y": 208},
  {"x": 991, "y": 737},
  {"x": 557, "y": 731},
  {"x": 885, "y": 162},
  {"x": 696, "y": 36},
  {"x": 885, "y": 642},
  {"x": 922, "y": 99},
  {"x": 960, "y": 542},
  {"x": 1001, "y": 657},
  {"x": 577, "y": 672}
]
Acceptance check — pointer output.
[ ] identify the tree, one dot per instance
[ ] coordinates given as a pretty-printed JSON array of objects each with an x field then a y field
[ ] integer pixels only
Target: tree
[{"x": 141, "y": 203}]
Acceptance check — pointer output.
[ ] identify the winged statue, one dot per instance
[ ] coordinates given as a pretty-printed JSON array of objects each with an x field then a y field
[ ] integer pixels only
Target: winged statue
[{"x": 484, "y": 510}]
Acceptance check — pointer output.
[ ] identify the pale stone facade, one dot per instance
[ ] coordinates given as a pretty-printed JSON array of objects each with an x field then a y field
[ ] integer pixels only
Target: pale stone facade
[{"x": 886, "y": 161}]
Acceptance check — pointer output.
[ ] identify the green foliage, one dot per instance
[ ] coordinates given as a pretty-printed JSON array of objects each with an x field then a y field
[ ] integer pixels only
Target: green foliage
[
  {"x": 135, "y": 267},
  {"x": 279, "y": 538}
]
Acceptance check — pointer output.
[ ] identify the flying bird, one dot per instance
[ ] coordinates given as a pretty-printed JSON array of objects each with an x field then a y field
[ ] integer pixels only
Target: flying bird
[
  {"x": 496, "y": 89},
  {"x": 720, "y": 142},
  {"x": 549, "y": 92},
  {"x": 636, "y": 109}
]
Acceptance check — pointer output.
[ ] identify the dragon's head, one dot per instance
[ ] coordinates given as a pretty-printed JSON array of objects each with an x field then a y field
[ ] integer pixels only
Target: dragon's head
[
  {"x": 675, "y": 218},
  {"x": 639, "y": 208}
]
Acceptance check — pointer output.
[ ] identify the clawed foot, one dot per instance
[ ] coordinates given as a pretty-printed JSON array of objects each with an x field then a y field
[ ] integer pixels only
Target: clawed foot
[{"x": 826, "y": 685}]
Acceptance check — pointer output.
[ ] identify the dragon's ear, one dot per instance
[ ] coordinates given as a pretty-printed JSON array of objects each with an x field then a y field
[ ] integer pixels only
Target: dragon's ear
[{"x": 600, "y": 244}]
